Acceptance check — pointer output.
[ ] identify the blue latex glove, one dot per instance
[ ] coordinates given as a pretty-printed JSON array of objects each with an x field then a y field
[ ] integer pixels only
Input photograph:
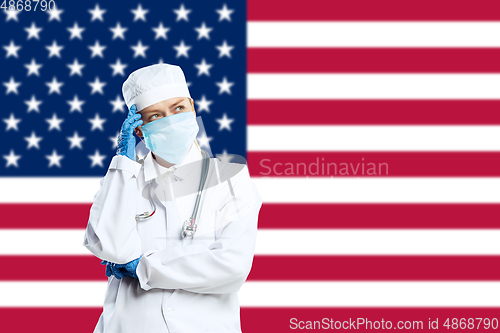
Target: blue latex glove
[
  {"x": 109, "y": 272},
  {"x": 126, "y": 139},
  {"x": 111, "y": 269},
  {"x": 116, "y": 271},
  {"x": 129, "y": 268},
  {"x": 121, "y": 270}
]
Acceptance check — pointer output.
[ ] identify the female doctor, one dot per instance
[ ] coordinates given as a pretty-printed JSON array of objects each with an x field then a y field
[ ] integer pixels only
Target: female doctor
[{"x": 159, "y": 279}]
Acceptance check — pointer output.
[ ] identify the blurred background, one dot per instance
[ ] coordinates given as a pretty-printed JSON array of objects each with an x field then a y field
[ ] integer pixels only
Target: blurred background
[{"x": 371, "y": 129}]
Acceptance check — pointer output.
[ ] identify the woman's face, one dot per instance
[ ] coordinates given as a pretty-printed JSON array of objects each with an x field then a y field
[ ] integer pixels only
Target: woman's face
[{"x": 162, "y": 109}]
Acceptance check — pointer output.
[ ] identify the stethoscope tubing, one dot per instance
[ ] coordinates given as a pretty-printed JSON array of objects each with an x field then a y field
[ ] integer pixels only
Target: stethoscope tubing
[{"x": 204, "y": 172}]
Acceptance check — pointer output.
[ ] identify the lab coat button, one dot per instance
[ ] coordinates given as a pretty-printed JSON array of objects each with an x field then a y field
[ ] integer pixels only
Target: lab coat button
[{"x": 169, "y": 310}]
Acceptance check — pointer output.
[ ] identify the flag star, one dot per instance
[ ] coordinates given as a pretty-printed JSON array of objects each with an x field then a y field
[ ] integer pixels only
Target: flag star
[
  {"x": 11, "y": 85},
  {"x": 204, "y": 104},
  {"x": 11, "y": 49},
  {"x": 161, "y": 31},
  {"x": 33, "y": 140},
  {"x": 203, "y": 140},
  {"x": 76, "y": 68},
  {"x": 54, "y": 122},
  {"x": 54, "y": 159},
  {"x": 118, "y": 68},
  {"x": 224, "y": 13},
  {"x": 75, "y": 140},
  {"x": 224, "y": 86},
  {"x": 140, "y": 13},
  {"x": 76, "y": 104},
  {"x": 118, "y": 31},
  {"x": 33, "y": 31},
  {"x": 140, "y": 50},
  {"x": 97, "y": 122},
  {"x": 203, "y": 68},
  {"x": 225, "y": 122},
  {"x": 224, "y": 157},
  {"x": 11, "y": 15},
  {"x": 97, "y": 49},
  {"x": 114, "y": 139},
  {"x": 54, "y": 49},
  {"x": 33, "y": 104},
  {"x": 182, "y": 49},
  {"x": 203, "y": 31},
  {"x": 97, "y": 86},
  {"x": 97, "y": 13},
  {"x": 33, "y": 67},
  {"x": 76, "y": 31},
  {"x": 225, "y": 49},
  {"x": 97, "y": 158},
  {"x": 12, "y": 122},
  {"x": 55, "y": 13},
  {"x": 54, "y": 86},
  {"x": 11, "y": 159},
  {"x": 182, "y": 13},
  {"x": 118, "y": 104}
]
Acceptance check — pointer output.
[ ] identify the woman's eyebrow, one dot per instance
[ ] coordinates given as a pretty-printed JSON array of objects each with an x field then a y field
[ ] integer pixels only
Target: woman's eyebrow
[
  {"x": 150, "y": 111},
  {"x": 156, "y": 110},
  {"x": 178, "y": 102}
]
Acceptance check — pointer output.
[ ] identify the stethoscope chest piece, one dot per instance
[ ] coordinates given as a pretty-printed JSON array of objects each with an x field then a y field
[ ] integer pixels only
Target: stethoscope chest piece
[{"x": 188, "y": 228}]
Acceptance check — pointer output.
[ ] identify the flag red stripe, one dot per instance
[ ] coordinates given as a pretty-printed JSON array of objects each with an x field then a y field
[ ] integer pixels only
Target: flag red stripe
[
  {"x": 376, "y": 268},
  {"x": 50, "y": 319},
  {"x": 295, "y": 216},
  {"x": 374, "y": 112},
  {"x": 373, "y": 164},
  {"x": 373, "y": 60},
  {"x": 45, "y": 215},
  {"x": 284, "y": 268},
  {"x": 379, "y": 216},
  {"x": 271, "y": 319},
  {"x": 366, "y": 10}
]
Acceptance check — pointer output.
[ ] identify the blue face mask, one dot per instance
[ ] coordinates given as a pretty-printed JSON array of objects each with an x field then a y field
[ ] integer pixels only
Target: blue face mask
[{"x": 171, "y": 137}]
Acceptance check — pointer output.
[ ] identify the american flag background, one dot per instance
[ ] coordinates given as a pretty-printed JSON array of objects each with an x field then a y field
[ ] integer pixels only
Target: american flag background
[{"x": 371, "y": 129}]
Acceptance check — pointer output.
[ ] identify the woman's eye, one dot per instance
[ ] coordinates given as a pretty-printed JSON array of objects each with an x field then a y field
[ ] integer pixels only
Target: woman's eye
[
  {"x": 180, "y": 106},
  {"x": 153, "y": 116}
]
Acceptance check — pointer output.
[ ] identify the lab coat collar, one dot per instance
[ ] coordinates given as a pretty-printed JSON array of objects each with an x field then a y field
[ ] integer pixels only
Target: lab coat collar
[{"x": 154, "y": 170}]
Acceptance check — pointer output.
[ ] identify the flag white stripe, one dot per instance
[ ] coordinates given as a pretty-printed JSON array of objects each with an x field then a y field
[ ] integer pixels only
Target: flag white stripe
[
  {"x": 378, "y": 190},
  {"x": 49, "y": 189},
  {"x": 277, "y": 294},
  {"x": 52, "y": 293},
  {"x": 291, "y": 242},
  {"x": 372, "y": 86},
  {"x": 295, "y": 138},
  {"x": 373, "y": 34},
  {"x": 325, "y": 189},
  {"x": 378, "y": 242},
  {"x": 390, "y": 293}
]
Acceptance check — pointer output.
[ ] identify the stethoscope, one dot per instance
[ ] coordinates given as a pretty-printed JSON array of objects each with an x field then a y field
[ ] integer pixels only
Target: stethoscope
[{"x": 189, "y": 226}]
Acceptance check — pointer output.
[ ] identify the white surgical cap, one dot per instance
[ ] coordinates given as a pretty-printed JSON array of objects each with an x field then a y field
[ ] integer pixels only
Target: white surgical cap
[{"x": 152, "y": 84}]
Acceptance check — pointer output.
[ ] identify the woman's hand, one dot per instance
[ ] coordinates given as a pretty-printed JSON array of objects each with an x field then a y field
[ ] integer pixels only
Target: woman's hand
[
  {"x": 120, "y": 270},
  {"x": 109, "y": 272},
  {"x": 126, "y": 140}
]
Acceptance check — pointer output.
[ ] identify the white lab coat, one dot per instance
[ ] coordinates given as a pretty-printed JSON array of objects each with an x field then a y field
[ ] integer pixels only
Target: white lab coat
[{"x": 183, "y": 285}]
